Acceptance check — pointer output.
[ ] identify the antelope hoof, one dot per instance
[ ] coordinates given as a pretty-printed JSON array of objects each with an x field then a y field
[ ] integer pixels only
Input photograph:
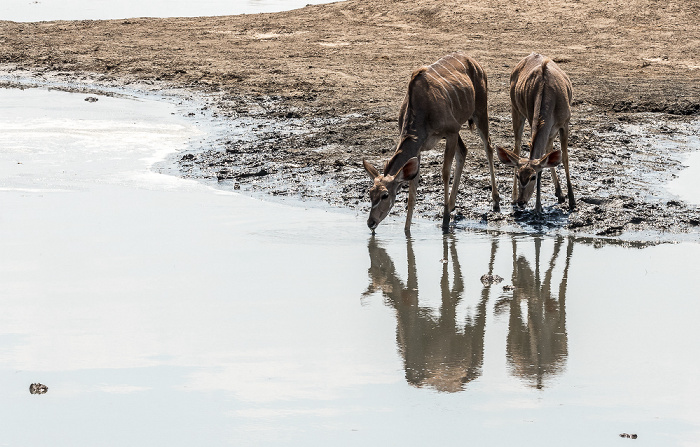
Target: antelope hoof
[{"x": 496, "y": 207}]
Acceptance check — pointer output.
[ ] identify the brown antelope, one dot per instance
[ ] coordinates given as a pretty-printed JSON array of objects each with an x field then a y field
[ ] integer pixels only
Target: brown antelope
[
  {"x": 541, "y": 93},
  {"x": 441, "y": 97}
]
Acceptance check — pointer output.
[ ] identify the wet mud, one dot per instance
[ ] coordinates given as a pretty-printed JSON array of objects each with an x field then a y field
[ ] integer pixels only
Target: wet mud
[{"x": 620, "y": 164}]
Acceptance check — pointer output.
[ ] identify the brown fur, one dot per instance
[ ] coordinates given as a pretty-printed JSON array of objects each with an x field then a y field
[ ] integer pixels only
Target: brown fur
[
  {"x": 541, "y": 93},
  {"x": 440, "y": 99}
]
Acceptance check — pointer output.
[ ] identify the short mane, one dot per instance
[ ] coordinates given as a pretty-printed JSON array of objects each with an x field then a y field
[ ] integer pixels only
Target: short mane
[
  {"x": 540, "y": 95},
  {"x": 407, "y": 119},
  {"x": 409, "y": 93}
]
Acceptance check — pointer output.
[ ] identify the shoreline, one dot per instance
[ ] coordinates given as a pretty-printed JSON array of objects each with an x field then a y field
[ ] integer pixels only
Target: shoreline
[
  {"x": 268, "y": 188},
  {"x": 318, "y": 91}
]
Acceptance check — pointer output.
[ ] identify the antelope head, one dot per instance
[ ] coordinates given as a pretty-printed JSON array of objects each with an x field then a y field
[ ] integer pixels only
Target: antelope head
[
  {"x": 527, "y": 170},
  {"x": 382, "y": 194}
]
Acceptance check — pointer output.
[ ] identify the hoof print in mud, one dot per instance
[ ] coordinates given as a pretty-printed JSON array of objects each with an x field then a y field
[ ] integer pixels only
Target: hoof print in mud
[
  {"x": 487, "y": 279},
  {"x": 38, "y": 388}
]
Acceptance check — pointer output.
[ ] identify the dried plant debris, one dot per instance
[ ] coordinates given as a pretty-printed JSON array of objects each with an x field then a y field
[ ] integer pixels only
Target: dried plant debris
[{"x": 628, "y": 435}]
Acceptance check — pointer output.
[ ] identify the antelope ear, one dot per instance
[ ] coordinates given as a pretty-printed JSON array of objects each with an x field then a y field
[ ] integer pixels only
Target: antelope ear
[
  {"x": 409, "y": 171},
  {"x": 550, "y": 160},
  {"x": 371, "y": 170},
  {"x": 507, "y": 157}
]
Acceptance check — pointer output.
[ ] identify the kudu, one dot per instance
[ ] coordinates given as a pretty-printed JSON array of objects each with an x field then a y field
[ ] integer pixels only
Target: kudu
[
  {"x": 441, "y": 97},
  {"x": 541, "y": 93}
]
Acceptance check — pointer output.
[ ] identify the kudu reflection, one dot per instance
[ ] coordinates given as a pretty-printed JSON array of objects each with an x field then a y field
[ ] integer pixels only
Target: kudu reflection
[
  {"x": 438, "y": 351},
  {"x": 537, "y": 340},
  {"x": 445, "y": 354}
]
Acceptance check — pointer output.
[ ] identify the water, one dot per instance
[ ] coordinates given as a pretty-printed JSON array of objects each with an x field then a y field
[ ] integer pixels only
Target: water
[
  {"x": 44, "y": 10},
  {"x": 687, "y": 184},
  {"x": 160, "y": 311}
]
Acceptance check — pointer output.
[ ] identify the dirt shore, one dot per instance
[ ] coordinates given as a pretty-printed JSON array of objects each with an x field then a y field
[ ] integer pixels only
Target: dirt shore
[{"x": 317, "y": 89}]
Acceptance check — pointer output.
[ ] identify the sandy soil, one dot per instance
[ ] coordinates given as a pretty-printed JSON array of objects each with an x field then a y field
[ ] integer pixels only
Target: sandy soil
[{"x": 319, "y": 88}]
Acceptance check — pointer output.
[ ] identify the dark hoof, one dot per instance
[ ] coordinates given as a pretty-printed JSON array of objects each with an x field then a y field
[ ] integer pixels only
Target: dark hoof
[{"x": 446, "y": 224}]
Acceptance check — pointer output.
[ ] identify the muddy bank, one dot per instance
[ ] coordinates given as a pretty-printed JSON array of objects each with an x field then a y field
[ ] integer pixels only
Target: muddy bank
[
  {"x": 621, "y": 164},
  {"x": 310, "y": 92}
]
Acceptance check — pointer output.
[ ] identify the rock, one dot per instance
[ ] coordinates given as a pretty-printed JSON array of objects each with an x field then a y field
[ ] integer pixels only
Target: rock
[
  {"x": 38, "y": 388},
  {"x": 488, "y": 279}
]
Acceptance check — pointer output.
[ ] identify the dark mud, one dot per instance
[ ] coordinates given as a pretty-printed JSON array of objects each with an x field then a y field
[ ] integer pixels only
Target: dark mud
[{"x": 620, "y": 164}]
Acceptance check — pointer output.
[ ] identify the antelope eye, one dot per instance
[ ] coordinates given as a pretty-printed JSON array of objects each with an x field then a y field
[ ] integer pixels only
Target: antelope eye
[
  {"x": 385, "y": 196},
  {"x": 533, "y": 178}
]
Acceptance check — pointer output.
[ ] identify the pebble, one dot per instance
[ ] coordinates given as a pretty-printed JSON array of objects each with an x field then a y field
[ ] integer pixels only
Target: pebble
[
  {"x": 490, "y": 279},
  {"x": 38, "y": 388}
]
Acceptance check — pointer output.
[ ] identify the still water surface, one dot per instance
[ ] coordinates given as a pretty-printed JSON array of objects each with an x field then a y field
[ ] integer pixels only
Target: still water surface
[
  {"x": 162, "y": 312},
  {"x": 44, "y": 10}
]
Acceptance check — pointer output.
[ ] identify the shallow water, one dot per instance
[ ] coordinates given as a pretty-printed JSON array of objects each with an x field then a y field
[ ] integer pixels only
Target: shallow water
[
  {"x": 160, "y": 311},
  {"x": 45, "y": 10},
  {"x": 687, "y": 184}
]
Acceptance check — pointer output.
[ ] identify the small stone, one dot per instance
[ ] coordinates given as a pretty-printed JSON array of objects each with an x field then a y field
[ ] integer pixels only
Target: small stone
[
  {"x": 38, "y": 388},
  {"x": 490, "y": 279}
]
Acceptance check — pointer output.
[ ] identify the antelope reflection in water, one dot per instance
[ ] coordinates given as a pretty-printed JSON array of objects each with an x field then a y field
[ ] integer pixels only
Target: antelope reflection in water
[
  {"x": 537, "y": 340},
  {"x": 445, "y": 354},
  {"x": 438, "y": 351}
]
